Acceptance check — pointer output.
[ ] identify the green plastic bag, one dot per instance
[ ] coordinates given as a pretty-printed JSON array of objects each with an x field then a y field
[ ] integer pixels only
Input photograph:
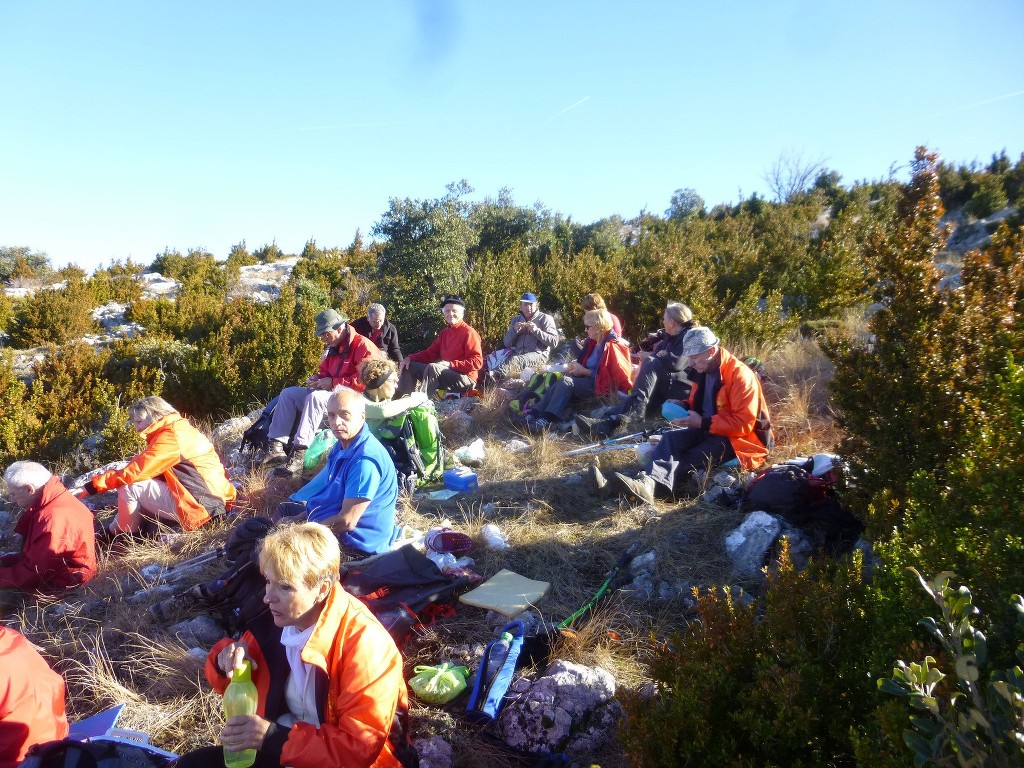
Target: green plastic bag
[
  {"x": 440, "y": 684},
  {"x": 322, "y": 442}
]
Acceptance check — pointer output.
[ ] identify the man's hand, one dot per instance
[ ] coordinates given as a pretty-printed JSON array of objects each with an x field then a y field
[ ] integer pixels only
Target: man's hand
[
  {"x": 244, "y": 732},
  {"x": 404, "y": 364},
  {"x": 326, "y": 383}
]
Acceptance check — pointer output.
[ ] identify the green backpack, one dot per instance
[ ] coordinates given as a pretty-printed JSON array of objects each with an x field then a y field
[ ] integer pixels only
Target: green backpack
[
  {"x": 534, "y": 390},
  {"x": 416, "y": 446}
]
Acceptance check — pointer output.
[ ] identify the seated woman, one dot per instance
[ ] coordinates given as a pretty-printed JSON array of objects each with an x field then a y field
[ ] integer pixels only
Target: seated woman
[
  {"x": 329, "y": 677},
  {"x": 601, "y": 368},
  {"x": 662, "y": 376},
  {"x": 177, "y": 479},
  {"x": 380, "y": 377}
]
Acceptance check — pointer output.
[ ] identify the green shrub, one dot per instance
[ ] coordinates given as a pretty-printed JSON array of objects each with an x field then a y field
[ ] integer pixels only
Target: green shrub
[
  {"x": 53, "y": 316},
  {"x": 980, "y": 721},
  {"x": 989, "y": 197},
  {"x": 493, "y": 289},
  {"x": 784, "y": 682}
]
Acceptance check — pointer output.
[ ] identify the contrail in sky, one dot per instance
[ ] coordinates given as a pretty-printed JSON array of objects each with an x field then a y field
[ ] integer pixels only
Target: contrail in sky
[
  {"x": 570, "y": 107},
  {"x": 979, "y": 103}
]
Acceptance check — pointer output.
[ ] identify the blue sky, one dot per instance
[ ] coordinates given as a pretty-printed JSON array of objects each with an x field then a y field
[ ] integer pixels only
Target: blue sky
[{"x": 131, "y": 127}]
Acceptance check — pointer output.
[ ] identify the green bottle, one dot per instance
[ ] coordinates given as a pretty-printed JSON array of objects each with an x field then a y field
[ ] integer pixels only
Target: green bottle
[{"x": 240, "y": 699}]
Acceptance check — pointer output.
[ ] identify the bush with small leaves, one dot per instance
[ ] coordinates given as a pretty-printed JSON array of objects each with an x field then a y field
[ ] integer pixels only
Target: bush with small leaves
[{"x": 970, "y": 717}]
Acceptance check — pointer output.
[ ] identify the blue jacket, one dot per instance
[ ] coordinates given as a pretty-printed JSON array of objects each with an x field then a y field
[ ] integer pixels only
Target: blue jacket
[{"x": 363, "y": 470}]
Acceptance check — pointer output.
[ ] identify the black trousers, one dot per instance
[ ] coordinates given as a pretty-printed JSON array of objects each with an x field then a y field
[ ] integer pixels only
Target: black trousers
[
  {"x": 213, "y": 757},
  {"x": 681, "y": 451}
]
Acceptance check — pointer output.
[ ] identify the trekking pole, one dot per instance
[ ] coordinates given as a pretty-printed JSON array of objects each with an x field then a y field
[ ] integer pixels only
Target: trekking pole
[
  {"x": 176, "y": 571},
  {"x": 624, "y": 559},
  {"x": 615, "y": 443}
]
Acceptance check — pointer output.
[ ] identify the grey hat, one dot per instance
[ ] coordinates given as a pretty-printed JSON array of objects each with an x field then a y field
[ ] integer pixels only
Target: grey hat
[
  {"x": 328, "y": 320},
  {"x": 699, "y": 339}
]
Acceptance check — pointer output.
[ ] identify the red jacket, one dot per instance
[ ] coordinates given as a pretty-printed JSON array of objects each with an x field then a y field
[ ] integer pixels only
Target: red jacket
[
  {"x": 31, "y": 699},
  {"x": 341, "y": 363},
  {"x": 364, "y": 686},
  {"x": 741, "y": 411},
  {"x": 459, "y": 345},
  {"x": 615, "y": 371},
  {"x": 58, "y": 550},
  {"x": 181, "y": 456}
]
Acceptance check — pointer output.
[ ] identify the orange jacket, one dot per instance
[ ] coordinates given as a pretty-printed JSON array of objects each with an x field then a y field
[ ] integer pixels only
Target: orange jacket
[
  {"x": 615, "y": 371},
  {"x": 58, "y": 548},
  {"x": 364, "y": 686},
  {"x": 741, "y": 411},
  {"x": 31, "y": 699},
  {"x": 181, "y": 456}
]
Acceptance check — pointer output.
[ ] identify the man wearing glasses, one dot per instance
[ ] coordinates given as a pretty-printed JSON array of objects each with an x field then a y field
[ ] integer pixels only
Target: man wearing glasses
[
  {"x": 300, "y": 410},
  {"x": 727, "y": 419}
]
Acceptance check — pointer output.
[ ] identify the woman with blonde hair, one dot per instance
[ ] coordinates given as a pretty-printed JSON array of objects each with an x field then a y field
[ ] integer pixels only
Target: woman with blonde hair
[
  {"x": 178, "y": 478},
  {"x": 594, "y": 301},
  {"x": 602, "y": 368},
  {"x": 328, "y": 675},
  {"x": 662, "y": 376}
]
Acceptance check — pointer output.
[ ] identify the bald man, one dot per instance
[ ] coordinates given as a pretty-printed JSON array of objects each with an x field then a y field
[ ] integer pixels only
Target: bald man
[{"x": 355, "y": 493}]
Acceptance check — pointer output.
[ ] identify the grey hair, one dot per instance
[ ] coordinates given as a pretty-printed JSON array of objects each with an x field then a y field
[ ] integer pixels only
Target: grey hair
[
  {"x": 22, "y": 474},
  {"x": 151, "y": 408},
  {"x": 376, "y": 309},
  {"x": 681, "y": 313},
  {"x": 341, "y": 391}
]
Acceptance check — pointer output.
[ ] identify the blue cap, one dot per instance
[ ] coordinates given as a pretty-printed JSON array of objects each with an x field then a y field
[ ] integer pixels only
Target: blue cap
[
  {"x": 673, "y": 411},
  {"x": 530, "y": 297}
]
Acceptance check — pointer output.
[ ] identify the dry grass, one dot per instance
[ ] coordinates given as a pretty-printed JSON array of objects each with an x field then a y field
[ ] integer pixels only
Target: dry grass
[{"x": 110, "y": 651}]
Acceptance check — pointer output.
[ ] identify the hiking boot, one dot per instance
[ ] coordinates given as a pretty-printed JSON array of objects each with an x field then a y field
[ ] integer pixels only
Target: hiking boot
[
  {"x": 276, "y": 454},
  {"x": 588, "y": 426},
  {"x": 598, "y": 481},
  {"x": 537, "y": 425},
  {"x": 641, "y": 486},
  {"x": 293, "y": 467}
]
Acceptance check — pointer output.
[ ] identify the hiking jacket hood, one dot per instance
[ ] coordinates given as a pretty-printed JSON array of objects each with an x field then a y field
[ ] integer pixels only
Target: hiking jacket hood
[
  {"x": 31, "y": 699},
  {"x": 183, "y": 457},
  {"x": 58, "y": 544},
  {"x": 615, "y": 371},
  {"x": 742, "y": 413},
  {"x": 359, "y": 680}
]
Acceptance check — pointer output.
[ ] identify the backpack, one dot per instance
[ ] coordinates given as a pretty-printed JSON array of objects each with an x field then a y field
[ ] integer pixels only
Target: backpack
[
  {"x": 237, "y": 594},
  {"x": 404, "y": 589},
  {"x": 99, "y": 752},
  {"x": 257, "y": 437},
  {"x": 755, "y": 364},
  {"x": 804, "y": 500},
  {"x": 414, "y": 441},
  {"x": 534, "y": 390}
]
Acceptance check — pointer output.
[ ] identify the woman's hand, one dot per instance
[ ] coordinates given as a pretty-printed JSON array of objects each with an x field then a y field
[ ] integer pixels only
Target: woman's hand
[
  {"x": 244, "y": 732},
  {"x": 231, "y": 657}
]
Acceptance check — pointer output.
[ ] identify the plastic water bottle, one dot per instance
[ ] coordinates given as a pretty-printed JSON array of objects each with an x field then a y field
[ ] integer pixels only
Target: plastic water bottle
[
  {"x": 493, "y": 537},
  {"x": 499, "y": 652},
  {"x": 240, "y": 699}
]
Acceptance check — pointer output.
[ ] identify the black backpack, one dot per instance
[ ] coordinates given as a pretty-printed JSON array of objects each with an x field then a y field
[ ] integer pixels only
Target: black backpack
[
  {"x": 96, "y": 753},
  {"x": 237, "y": 594},
  {"x": 257, "y": 437},
  {"x": 806, "y": 501}
]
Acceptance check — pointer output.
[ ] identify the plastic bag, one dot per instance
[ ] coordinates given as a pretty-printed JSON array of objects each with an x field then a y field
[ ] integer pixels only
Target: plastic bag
[
  {"x": 472, "y": 455},
  {"x": 440, "y": 684},
  {"x": 322, "y": 442}
]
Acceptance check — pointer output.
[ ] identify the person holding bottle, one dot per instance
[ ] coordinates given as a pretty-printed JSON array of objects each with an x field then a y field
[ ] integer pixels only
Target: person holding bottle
[{"x": 327, "y": 674}]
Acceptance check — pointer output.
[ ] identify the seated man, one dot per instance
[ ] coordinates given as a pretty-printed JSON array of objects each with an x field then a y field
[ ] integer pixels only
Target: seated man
[
  {"x": 355, "y": 494},
  {"x": 528, "y": 341},
  {"x": 31, "y": 699},
  {"x": 300, "y": 410},
  {"x": 380, "y": 331},
  {"x": 58, "y": 548},
  {"x": 727, "y": 419},
  {"x": 452, "y": 362}
]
